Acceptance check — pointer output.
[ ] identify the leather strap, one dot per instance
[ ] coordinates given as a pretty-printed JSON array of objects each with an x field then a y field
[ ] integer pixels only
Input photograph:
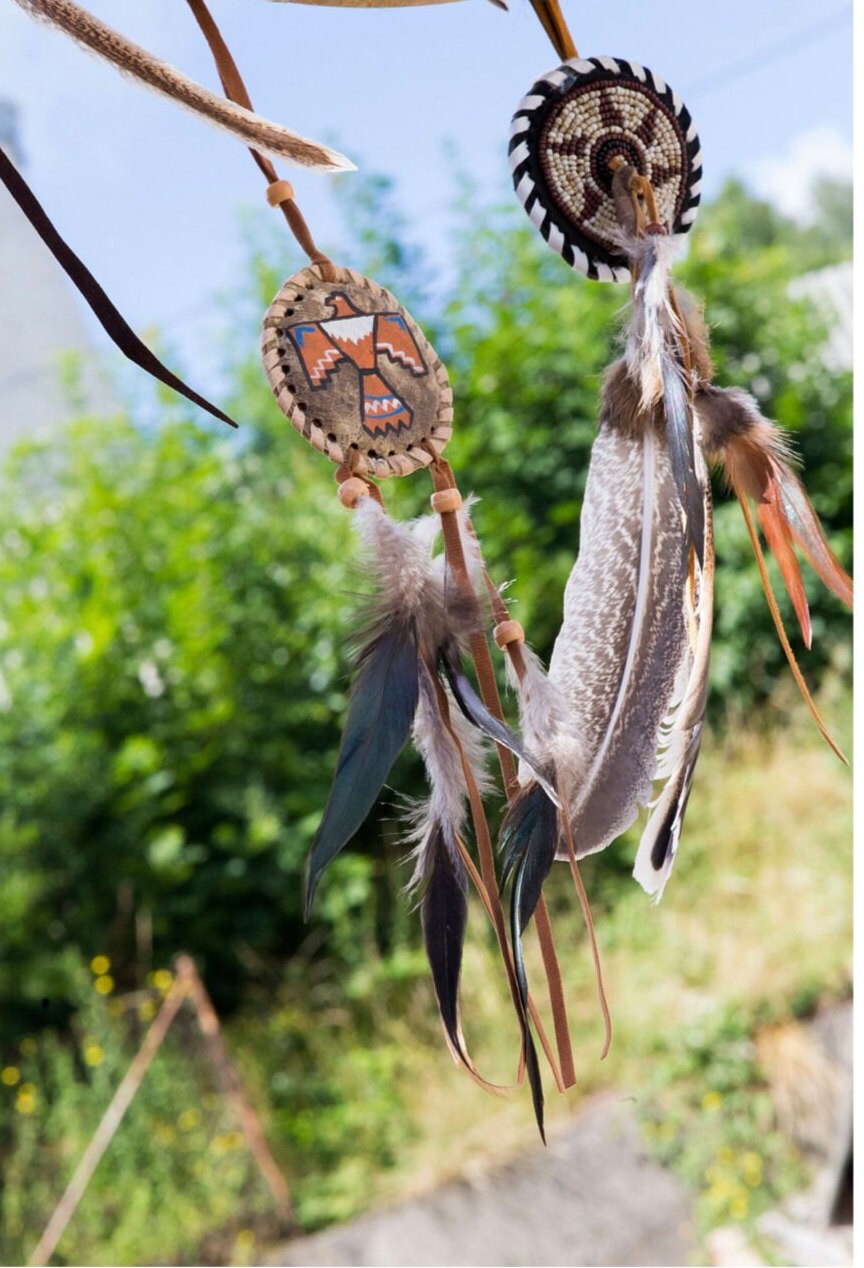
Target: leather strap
[
  {"x": 235, "y": 90},
  {"x": 112, "y": 321}
]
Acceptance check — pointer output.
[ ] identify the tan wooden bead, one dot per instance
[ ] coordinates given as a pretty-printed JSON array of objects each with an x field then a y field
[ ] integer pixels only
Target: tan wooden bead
[
  {"x": 351, "y": 491},
  {"x": 280, "y": 192},
  {"x": 508, "y": 632},
  {"x": 446, "y": 500}
]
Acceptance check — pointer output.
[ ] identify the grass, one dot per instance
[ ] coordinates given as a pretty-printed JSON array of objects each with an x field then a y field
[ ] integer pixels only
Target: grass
[
  {"x": 755, "y": 926},
  {"x": 365, "y": 1107}
]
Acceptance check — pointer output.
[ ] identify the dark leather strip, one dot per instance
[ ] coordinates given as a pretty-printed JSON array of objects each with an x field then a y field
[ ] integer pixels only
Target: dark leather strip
[{"x": 113, "y": 322}]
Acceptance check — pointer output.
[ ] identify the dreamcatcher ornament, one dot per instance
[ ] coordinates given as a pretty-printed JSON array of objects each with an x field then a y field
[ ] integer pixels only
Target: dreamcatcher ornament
[{"x": 606, "y": 162}]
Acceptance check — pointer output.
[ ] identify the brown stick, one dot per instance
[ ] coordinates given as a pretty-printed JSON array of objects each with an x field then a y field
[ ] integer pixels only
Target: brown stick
[
  {"x": 232, "y": 1086},
  {"x": 111, "y": 1120}
]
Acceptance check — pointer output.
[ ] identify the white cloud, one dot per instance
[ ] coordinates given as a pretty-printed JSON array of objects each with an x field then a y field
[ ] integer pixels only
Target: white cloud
[{"x": 787, "y": 180}]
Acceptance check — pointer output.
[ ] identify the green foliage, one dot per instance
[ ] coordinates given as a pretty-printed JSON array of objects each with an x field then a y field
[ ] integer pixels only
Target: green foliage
[
  {"x": 177, "y": 1175},
  {"x": 173, "y": 661},
  {"x": 710, "y": 1117},
  {"x": 172, "y": 681}
]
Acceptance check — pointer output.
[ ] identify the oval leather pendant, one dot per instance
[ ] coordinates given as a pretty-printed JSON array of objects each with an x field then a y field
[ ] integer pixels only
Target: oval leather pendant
[
  {"x": 574, "y": 120},
  {"x": 353, "y": 372}
]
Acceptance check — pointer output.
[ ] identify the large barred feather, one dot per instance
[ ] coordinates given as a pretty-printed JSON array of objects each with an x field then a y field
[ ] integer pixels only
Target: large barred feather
[{"x": 624, "y": 633}]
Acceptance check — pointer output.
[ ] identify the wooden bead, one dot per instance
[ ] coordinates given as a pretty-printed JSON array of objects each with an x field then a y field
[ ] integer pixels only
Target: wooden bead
[
  {"x": 351, "y": 491},
  {"x": 446, "y": 500},
  {"x": 280, "y": 192},
  {"x": 508, "y": 632}
]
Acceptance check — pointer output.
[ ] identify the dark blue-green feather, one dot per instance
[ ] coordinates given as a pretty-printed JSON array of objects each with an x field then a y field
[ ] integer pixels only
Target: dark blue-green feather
[
  {"x": 380, "y": 713},
  {"x": 476, "y": 712},
  {"x": 443, "y": 918}
]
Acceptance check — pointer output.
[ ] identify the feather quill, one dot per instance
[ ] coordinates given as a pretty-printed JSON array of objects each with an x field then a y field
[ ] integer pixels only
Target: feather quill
[{"x": 133, "y": 60}]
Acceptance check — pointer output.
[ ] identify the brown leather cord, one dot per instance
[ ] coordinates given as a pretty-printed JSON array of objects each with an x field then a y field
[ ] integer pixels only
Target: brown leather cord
[
  {"x": 442, "y": 476},
  {"x": 110, "y": 318},
  {"x": 589, "y": 924},
  {"x": 348, "y": 471},
  {"x": 235, "y": 90},
  {"x": 553, "y": 23},
  {"x": 488, "y": 889},
  {"x": 542, "y": 922}
]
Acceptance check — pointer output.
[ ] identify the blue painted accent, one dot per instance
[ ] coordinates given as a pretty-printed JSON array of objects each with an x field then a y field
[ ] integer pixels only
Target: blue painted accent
[{"x": 299, "y": 331}]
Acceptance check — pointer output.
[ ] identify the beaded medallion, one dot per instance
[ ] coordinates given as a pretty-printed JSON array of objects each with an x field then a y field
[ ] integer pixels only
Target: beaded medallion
[
  {"x": 564, "y": 133},
  {"x": 353, "y": 371}
]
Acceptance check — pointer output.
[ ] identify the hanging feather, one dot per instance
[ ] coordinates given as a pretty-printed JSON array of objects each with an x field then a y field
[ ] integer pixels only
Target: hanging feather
[
  {"x": 407, "y": 613},
  {"x": 680, "y": 736},
  {"x": 618, "y": 654},
  {"x": 756, "y": 459},
  {"x": 130, "y": 59},
  {"x": 657, "y": 357},
  {"x": 439, "y": 870},
  {"x": 476, "y": 712}
]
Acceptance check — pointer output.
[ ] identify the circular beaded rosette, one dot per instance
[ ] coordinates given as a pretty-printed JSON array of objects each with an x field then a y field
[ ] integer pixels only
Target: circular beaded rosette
[
  {"x": 564, "y": 133},
  {"x": 355, "y": 374}
]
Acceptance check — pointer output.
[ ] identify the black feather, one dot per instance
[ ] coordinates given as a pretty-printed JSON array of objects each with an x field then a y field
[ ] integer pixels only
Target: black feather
[
  {"x": 532, "y": 1067},
  {"x": 443, "y": 918},
  {"x": 476, "y": 712},
  {"x": 381, "y": 710},
  {"x": 529, "y": 838},
  {"x": 532, "y": 818},
  {"x": 678, "y": 413}
]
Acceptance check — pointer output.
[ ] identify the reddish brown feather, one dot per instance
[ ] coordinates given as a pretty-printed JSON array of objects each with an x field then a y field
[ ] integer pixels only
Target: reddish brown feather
[{"x": 778, "y": 535}]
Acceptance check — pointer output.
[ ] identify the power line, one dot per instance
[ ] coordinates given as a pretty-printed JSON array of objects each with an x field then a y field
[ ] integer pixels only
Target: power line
[{"x": 770, "y": 53}]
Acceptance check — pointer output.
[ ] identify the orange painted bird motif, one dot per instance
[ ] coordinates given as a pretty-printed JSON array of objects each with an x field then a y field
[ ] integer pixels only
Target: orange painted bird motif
[{"x": 360, "y": 338}]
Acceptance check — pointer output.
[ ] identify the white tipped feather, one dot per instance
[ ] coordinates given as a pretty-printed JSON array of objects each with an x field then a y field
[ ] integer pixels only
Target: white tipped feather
[{"x": 130, "y": 59}]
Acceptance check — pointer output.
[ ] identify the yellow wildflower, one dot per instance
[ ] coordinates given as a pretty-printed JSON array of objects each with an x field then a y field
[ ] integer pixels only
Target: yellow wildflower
[
  {"x": 712, "y": 1101},
  {"x": 162, "y": 980},
  {"x": 739, "y": 1207},
  {"x": 188, "y": 1119},
  {"x": 99, "y": 965},
  {"x": 93, "y": 1053},
  {"x": 104, "y": 985},
  {"x": 28, "y": 1047},
  {"x": 10, "y": 1075},
  {"x": 147, "y": 1009},
  {"x": 25, "y": 1101}
]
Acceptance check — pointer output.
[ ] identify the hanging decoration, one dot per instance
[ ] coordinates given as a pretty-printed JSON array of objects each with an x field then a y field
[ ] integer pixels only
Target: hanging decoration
[{"x": 607, "y": 164}]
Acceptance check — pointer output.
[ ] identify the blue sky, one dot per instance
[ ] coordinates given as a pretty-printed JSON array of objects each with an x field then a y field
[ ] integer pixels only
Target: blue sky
[{"x": 149, "y": 195}]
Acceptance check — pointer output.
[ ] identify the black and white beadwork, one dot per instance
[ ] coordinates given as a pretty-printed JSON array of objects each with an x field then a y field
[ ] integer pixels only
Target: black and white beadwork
[{"x": 574, "y": 120}]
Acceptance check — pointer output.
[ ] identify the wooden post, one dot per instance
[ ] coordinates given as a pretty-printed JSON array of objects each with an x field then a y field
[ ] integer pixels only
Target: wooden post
[
  {"x": 232, "y": 1086},
  {"x": 111, "y": 1120}
]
